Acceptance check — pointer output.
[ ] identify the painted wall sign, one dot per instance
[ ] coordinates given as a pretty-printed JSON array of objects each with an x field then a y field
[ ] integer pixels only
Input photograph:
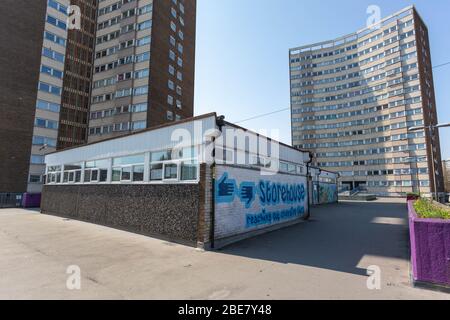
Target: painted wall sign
[{"x": 246, "y": 200}]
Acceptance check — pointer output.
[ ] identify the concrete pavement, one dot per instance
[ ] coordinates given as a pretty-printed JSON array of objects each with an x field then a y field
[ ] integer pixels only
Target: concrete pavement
[{"x": 325, "y": 258}]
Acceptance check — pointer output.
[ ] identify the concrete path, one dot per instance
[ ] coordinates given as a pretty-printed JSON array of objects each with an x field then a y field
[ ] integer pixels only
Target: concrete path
[{"x": 325, "y": 258}]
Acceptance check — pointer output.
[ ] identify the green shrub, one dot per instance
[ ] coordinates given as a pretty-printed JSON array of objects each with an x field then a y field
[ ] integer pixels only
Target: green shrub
[{"x": 427, "y": 210}]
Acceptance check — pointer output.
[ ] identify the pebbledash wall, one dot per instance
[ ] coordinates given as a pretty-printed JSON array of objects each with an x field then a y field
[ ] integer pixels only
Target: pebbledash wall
[{"x": 182, "y": 182}]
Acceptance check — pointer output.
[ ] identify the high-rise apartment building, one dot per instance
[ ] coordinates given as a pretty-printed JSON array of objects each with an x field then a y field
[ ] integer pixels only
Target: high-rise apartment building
[
  {"x": 22, "y": 30},
  {"x": 144, "y": 65},
  {"x": 446, "y": 169},
  {"x": 64, "y": 84},
  {"x": 354, "y": 99},
  {"x": 129, "y": 66}
]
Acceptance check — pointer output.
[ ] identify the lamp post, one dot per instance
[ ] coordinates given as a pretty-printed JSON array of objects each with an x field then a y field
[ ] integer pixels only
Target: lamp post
[{"x": 430, "y": 130}]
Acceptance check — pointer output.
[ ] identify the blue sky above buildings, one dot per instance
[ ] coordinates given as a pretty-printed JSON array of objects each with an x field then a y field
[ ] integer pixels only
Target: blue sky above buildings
[{"x": 243, "y": 45}]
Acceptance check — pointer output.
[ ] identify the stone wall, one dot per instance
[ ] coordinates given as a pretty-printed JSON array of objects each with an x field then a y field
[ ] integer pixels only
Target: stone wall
[{"x": 169, "y": 211}]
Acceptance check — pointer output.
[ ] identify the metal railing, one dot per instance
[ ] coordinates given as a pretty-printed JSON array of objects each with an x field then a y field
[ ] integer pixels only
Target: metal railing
[{"x": 11, "y": 200}]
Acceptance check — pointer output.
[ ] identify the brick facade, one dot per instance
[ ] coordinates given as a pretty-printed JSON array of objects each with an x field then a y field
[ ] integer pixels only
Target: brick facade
[{"x": 21, "y": 43}]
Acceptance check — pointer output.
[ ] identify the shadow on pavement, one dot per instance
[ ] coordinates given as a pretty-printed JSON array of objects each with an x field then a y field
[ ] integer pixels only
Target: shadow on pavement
[{"x": 337, "y": 237}]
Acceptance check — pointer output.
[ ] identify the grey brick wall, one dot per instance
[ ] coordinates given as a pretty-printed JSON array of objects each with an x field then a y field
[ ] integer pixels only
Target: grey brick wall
[{"x": 168, "y": 211}]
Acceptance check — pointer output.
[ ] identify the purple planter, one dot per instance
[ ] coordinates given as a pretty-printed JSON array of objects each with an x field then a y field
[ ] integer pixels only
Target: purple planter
[
  {"x": 31, "y": 200},
  {"x": 430, "y": 249}
]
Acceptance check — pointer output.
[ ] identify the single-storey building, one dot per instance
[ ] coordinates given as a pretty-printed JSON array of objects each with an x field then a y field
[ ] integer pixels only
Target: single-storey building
[{"x": 202, "y": 181}]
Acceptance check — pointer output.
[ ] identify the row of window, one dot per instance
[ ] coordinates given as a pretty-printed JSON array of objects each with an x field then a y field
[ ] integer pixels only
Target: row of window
[
  {"x": 352, "y": 143},
  {"x": 138, "y": 91},
  {"x": 45, "y": 123},
  {"x": 354, "y": 84},
  {"x": 136, "y": 108},
  {"x": 347, "y": 133},
  {"x": 116, "y": 20},
  {"x": 54, "y": 38},
  {"x": 51, "y": 54},
  {"x": 44, "y": 141},
  {"x": 122, "y": 61},
  {"x": 353, "y": 104},
  {"x": 118, "y": 127},
  {"x": 334, "y": 135},
  {"x": 352, "y": 114},
  {"x": 122, "y": 46},
  {"x": 47, "y": 106},
  {"x": 49, "y": 88},
  {"x": 297, "y": 94},
  {"x": 343, "y": 68},
  {"x": 125, "y": 29},
  {"x": 376, "y": 162},
  {"x": 56, "y": 22},
  {"x": 57, "y": 6},
  {"x": 352, "y": 47},
  {"x": 164, "y": 166},
  {"x": 52, "y": 72},
  {"x": 353, "y": 153},
  {"x": 380, "y": 184},
  {"x": 144, "y": 73},
  {"x": 360, "y": 122}
]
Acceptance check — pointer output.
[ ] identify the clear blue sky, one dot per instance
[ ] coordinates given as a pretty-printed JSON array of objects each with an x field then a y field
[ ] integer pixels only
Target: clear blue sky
[{"x": 242, "y": 52}]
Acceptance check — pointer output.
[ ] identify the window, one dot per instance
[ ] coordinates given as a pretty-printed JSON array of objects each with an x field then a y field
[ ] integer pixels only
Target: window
[
  {"x": 174, "y": 166},
  {"x": 46, "y": 52},
  {"x": 139, "y": 125},
  {"x": 143, "y": 41},
  {"x": 49, "y": 106},
  {"x": 144, "y": 25},
  {"x": 141, "y": 107},
  {"x": 189, "y": 170},
  {"x": 170, "y": 99},
  {"x": 140, "y": 91},
  {"x": 141, "y": 74},
  {"x": 171, "y": 70},
  {"x": 173, "y": 26},
  {"x": 145, "y": 9},
  {"x": 45, "y": 123},
  {"x": 57, "y": 6},
  {"x": 170, "y": 115},
  {"x": 171, "y": 85},
  {"x": 54, "y": 38},
  {"x": 170, "y": 171},
  {"x": 35, "y": 178},
  {"x": 56, "y": 22},
  {"x": 156, "y": 172},
  {"x": 143, "y": 57},
  {"x": 51, "y": 72},
  {"x": 48, "y": 88},
  {"x": 127, "y": 169},
  {"x": 96, "y": 171},
  {"x": 172, "y": 55},
  {"x": 172, "y": 41},
  {"x": 44, "y": 141},
  {"x": 72, "y": 173},
  {"x": 37, "y": 159}
]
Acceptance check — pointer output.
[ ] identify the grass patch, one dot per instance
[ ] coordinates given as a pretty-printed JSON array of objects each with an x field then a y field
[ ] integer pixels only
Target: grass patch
[{"x": 427, "y": 210}]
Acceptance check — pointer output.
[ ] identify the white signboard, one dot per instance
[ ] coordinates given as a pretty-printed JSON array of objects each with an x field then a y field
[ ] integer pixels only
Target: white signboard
[{"x": 246, "y": 201}]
